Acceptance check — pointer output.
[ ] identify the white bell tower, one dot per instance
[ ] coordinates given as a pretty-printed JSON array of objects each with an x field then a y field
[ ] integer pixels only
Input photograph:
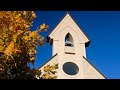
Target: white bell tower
[{"x": 68, "y": 50}]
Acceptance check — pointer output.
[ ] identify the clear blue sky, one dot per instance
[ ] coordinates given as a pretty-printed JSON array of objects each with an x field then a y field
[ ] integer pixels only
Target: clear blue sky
[{"x": 102, "y": 28}]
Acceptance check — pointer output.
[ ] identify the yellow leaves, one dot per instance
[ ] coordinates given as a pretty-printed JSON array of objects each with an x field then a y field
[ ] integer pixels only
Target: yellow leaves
[
  {"x": 14, "y": 37},
  {"x": 10, "y": 18},
  {"x": 4, "y": 35},
  {"x": 9, "y": 49},
  {"x": 41, "y": 39},
  {"x": 32, "y": 59},
  {"x": 26, "y": 26},
  {"x": 19, "y": 32},
  {"x": 1, "y": 42},
  {"x": 32, "y": 51},
  {"x": 11, "y": 28},
  {"x": 42, "y": 26},
  {"x": 46, "y": 76},
  {"x": 24, "y": 13},
  {"x": 32, "y": 34},
  {"x": 41, "y": 43},
  {"x": 49, "y": 72},
  {"x": 50, "y": 68},
  {"x": 56, "y": 66},
  {"x": 17, "y": 42},
  {"x": 11, "y": 45},
  {"x": 17, "y": 37},
  {"x": 33, "y": 15},
  {"x": 18, "y": 20},
  {"x": 46, "y": 68},
  {"x": 1, "y": 47},
  {"x": 46, "y": 26},
  {"x": 17, "y": 16},
  {"x": 26, "y": 38}
]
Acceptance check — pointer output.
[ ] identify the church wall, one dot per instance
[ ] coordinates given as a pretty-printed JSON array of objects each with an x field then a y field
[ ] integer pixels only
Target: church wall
[
  {"x": 55, "y": 47},
  {"x": 76, "y": 57}
]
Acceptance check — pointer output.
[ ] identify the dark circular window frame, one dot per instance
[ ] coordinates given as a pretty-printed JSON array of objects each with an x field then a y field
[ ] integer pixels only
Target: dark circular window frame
[{"x": 70, "y": 68}]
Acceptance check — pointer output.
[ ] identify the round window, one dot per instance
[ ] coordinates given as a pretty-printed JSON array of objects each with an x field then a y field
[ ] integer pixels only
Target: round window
[{"x": 70, "y": 68}]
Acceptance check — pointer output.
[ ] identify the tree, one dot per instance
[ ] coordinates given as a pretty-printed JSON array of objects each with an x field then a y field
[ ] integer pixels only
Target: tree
[{"x": 18, "y": 45}]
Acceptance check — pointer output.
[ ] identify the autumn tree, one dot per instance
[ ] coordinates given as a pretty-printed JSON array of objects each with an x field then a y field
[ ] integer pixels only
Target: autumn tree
[{"x": 18, "y": 46}]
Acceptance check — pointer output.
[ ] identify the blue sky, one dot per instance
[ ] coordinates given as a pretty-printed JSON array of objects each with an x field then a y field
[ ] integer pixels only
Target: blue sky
[{"x": 102, "y": 28}]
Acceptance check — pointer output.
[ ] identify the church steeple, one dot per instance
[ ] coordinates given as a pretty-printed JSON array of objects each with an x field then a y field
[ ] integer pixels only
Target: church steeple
[
  {"x": 69, "y": 44},
  {"x": 67, "y": 22}
]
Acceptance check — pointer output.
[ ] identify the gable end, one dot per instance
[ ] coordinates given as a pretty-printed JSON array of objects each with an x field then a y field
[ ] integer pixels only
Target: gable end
[
  {"x": 95, "y": 67},
  {"x": 50, "y": 40}
]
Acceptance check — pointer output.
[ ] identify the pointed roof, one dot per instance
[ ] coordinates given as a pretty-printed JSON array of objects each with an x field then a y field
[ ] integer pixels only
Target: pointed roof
[
  {"x": 95, "y": 67},
  {"x": 50, "y": 40}
]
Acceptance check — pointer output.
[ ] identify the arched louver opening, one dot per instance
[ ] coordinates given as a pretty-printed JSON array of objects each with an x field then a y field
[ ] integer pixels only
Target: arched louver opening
[{"x": 69, "y": 40}]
